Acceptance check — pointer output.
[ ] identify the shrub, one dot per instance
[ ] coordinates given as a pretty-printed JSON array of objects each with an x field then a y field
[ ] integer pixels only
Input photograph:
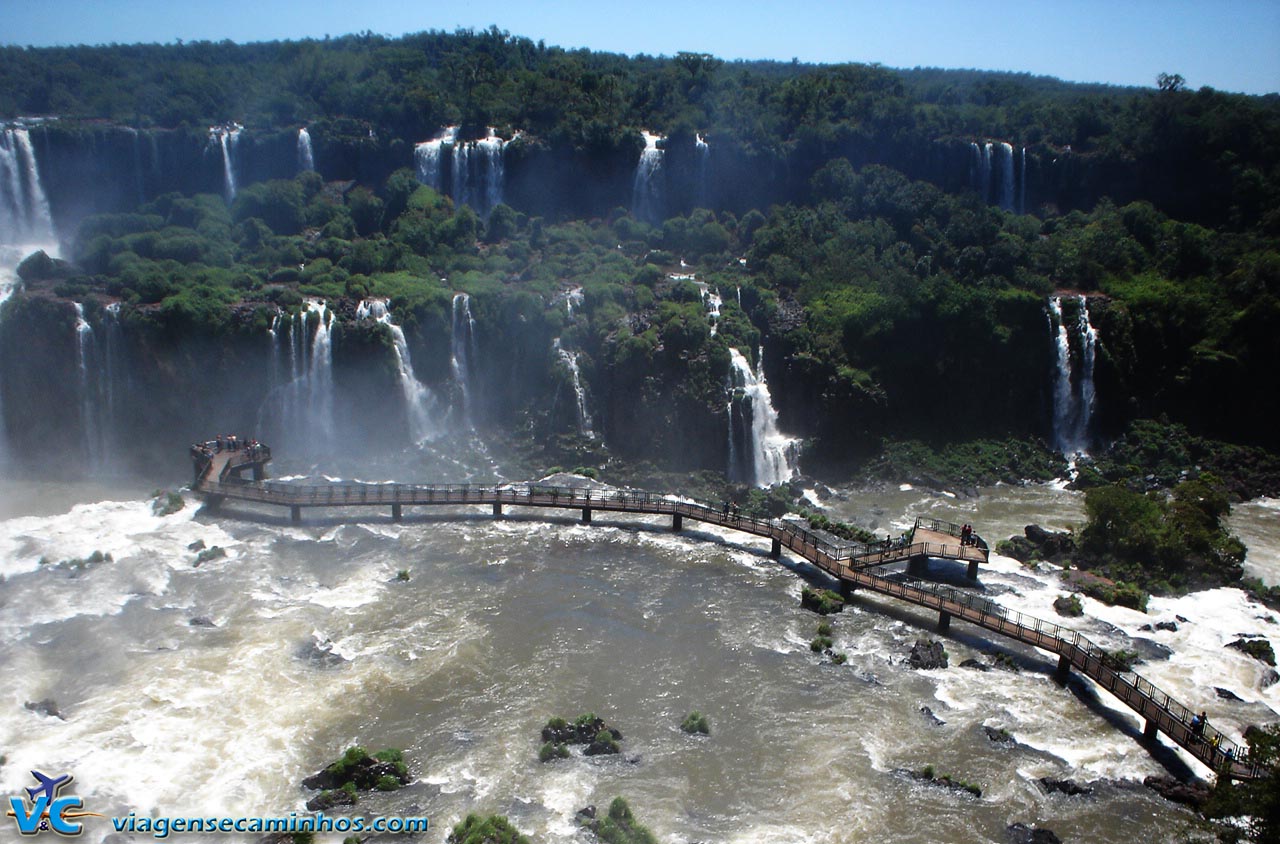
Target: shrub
[
  {"x": 839, "y": 659},
  {"x": 820, "y": 644},
  {"x": 402, "y": 576},
  {"x": 696, "y": 723},
  {"x": 386, "y": 782},
  {"x": 821, "y": 601},
  {"x": 824, "y": 628},
  {"x": 494, "y": 829},
  {"x": 621, "y": 827},
  {"x": 1068, "y": 605}
]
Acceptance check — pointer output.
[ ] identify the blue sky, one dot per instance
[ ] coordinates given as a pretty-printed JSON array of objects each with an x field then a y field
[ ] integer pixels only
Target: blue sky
[{"x": 1232, "y": 45}]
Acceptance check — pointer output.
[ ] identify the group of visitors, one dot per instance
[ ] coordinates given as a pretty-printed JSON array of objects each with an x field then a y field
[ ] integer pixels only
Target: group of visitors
[
  {"x": 203, "y": 452},
  {"x": 731, "y": 507},
  {"x": 967, "y": 536}
]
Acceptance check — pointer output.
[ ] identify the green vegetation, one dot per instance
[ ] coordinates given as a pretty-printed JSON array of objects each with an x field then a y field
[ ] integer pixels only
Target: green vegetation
[
  {"x": 167, "y": 503},
  {"x": 1256, "y": 802},
  {"x": 839, "y": 658},
  {"x": 975, "y": 463},
  {"x": 819, "y": 644},
  {"x": 553, "y": 750},
  {"x": 853, "y": 533},
  {"x": 1164, "y": 544},
  {"x": 821, "y": 601},
  {"x": 494, "y": 829},
  {"x": 1121, "y": 660},
  {"x": 621, "y": 827},
  {"x": 1259, "y": 649},
  {"x": 402, "y": 576},
  {"x": 696, "y": 723},
  {"x": 824, "y": 628}
]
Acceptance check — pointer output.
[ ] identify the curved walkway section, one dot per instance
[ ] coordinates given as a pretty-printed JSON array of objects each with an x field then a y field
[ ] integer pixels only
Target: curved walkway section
[{"x": 853, "y": 565}]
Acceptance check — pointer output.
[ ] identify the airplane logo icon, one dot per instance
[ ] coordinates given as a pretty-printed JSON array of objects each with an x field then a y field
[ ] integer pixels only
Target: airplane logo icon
[{"x": 48, "y": 786}]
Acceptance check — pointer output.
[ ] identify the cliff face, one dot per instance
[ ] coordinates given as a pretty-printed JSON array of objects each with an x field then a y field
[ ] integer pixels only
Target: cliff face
[{"x": 92, "y": 168}]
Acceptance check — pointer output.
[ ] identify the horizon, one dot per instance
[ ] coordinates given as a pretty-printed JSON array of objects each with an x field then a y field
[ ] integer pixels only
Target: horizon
[{"x": 1229, "y": 47}]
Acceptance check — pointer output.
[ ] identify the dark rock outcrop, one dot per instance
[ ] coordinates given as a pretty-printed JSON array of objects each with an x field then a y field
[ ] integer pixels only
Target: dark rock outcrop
[
  {"x": 1258, "y": 648},
  {"x": 975, "y": 665},
  {"x": 1193, "y": 794},
  {"x": 1226, "y": 694},
  {"x": 201, "y": 621},
  {"x": 930, "y": 717},
  {"x": 998, "y": 735},
  {"x": 47, "y": 707},
  {"x": 326, "y": 800},
  {"x": 1068, "y": 787},
  {"x": 360, "y": 769},
  {"x": 1020, "y": 833},
  {"x": 927, "y": 655}
]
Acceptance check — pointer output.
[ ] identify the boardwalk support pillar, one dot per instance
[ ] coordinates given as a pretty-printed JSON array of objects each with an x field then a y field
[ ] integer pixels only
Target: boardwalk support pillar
[
  {"x": 497, "y": 509},
  {"x": 775, "y": 548},
  {"x": 973, "y": 569},
  {"x": 295, "y": 514},
  {"x": 586, "y": 515},
  {"x": 847, "y": 588},
  {"x": 677, "y": 522},
  {"x": 1063, "y": 671},
  {"x": 213, "y": 502},
  {"x": 259, "y": 472},
  {"x": 1149, "y": 730},
  {"x": 944, "y": 621},
  {"x": 396, "y": 513}
]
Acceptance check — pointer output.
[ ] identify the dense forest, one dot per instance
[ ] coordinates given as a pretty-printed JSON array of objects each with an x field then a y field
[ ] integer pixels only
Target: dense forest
[{"x": 852, "y": 224}]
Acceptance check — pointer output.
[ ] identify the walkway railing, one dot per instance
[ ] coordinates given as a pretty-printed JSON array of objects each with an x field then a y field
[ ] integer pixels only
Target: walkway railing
[{"x": 849, "y": 562}]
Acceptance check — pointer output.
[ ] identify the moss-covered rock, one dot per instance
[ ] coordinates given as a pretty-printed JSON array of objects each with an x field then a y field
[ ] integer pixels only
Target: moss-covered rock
[
  {"x": 821, "y": 601},
  {"x": 494, "y": 829},
  {"x": 384, "y": 771},
  {"x": 696, "y": 723}
]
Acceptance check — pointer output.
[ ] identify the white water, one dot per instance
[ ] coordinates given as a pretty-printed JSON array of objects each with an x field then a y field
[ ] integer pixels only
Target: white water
[
  {"x": 1022, "y": 184},
  {"x": 302, "y": 409},
  {"x": 570, "y": 361},
  {"x": 703, "y": 153},
  {"x": 1074, "y": 396},
  {"x": 306, "y": 161},
  {"x": 24, "y": 211},
  {"x": 478, "y": 172},
  {"x": 712, "y": 300},
  {"x": 646, "y": 188},
  {"x": 427, "y": 158},
  {"x": 1006, "y": 176},
  {"x": 420, "y": 403},
  {"x": 227, "y": 138},
  {"x": 462, "y": 347},
  {"x": 86, "y": 364},
  {"x": 773, "y": 455},
  {"x": 320, "y": 376}
]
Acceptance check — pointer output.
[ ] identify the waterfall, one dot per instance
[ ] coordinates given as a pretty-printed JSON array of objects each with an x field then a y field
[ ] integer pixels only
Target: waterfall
[
  {"x": 306, "y": 161},
  {"x": 703, "y": 158},
  {"x": 9, "y": 285},
  {"x": 494, "y": 166},
  {"x": 24, "y": 209},
  {"x": 570, "y": 361},
  {"x": 303, "y": 407},
  {"x": 91, "y": 439},
  {"x": 462, "y": 347},
  {"x": 320, "y": 374},
  {"x": 572, "y": 299},
  {"x": 427, "y": 155},
  {"x": 772, "y": 455},
  {"x": 227, "y": 138},
  {"x": 1006, "y": 176},
  {"x": 477, "y": 171},
  {"x": 1074, "y": 397},
  {"x": 712, "y": 301},
  {"x": 646, "y": 189},
  {"x": 1022, "y": 184},
  {"x": 418, "y": 400}
]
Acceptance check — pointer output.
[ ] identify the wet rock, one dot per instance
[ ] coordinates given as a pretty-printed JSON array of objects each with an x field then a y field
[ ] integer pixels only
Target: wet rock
[
  {"x": 1258, "y": 648},
  {"x": 821, "y": 601},
  {"x": 1068, "y": 787},
  {"x": 998, "y": 735},
  {"x": 587, "y": 819},
  {"x": 1169, "y": 626},
  {"x": 198, "y": 545},
  {"x": 927, "y": 655},
  {"x": 1069, "y": 606},
  {"x": 1146, "y": 628},
  {"x": 208, "y": 555},
  {"x": 319, "y": 654},
  {"x": 361, "y": 770},
  {"x": 326, "y": 800},
  {"x": 47, "y": 707},
  {"x": 975, "y": 665},
  {"x": 1192, "y": 794},
  {"x": 1020, "y": 833},
  {"x": 1180, "y": 618},
  {"x": 201, "y": 621},
  {"x": 1269, "y": 679},
  {"x": 1226, "y": 694},
  {"x": 945, "y": 780},
  {"x": 930, "y": 717}
]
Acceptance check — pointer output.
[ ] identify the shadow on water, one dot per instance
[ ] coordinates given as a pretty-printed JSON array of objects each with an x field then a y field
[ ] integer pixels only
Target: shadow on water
[{"x": 1027, "y": 659}]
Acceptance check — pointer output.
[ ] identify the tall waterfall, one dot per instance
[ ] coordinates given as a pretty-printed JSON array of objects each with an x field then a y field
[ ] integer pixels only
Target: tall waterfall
[
  {"x": 703, "y": 165},
  {"x": 646, "y": 189},
  {"x": 1022, "y": 184},
  {"x": 570, "y": 361},
  {"x": 24, "y": 209},
  {"x": 419, "y": 401},
  {"x": 320, "y": 374},
  {"x": 478, "y": 172},
  {"x": 227, "y": 138},
  {"x": 462, "y": 348},
  {"x": 1006, "y": 176},
  {"x": 759, "y": 454},
  {"x": 306, "y": 161},
  {"x": 427, "y": 158},
  {"x": 302, "y": 408},
  {"x": 92, "y": 442},
  {"x": 1074, "y": 397}
]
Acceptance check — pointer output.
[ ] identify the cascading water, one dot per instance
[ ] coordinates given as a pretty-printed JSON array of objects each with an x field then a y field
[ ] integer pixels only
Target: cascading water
[
  {"x": 24, "y": 210},
  {"x": 1074, "y": 396},
  {"x": 478, "y": 172},
  {"x": 462, "y": 347},
  {"x": 493, "y": 163},
  {"x": 306, "y": 161},
  {"x": 320, "y": 374},
  {"x": 573, "y": 298},
  {"x": 302, "y": 408},
  {"x": 712, "y": 301},
  {"x": 427, "y": 158},
  {"x": 1022, "y": 184},
  {"x": 227, "y": 138},
  {"x": 419, "y": 401},
  {"x": 570, "y": 361},
  {"x": 1006, "y": 176},
  {"x": 703, "y": 158},
  {"x": 90, "y": 408},
  {"x": 646, "y": 189},
  {"x": 759, "y": 454}
]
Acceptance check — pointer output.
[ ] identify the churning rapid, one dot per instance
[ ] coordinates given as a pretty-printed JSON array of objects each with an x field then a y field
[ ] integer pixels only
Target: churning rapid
[{"x": 179, "y": 688}]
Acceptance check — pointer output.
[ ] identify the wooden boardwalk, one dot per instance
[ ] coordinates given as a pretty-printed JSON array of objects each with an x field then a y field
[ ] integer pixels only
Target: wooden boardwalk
[{"x": 853, "y": 565}]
